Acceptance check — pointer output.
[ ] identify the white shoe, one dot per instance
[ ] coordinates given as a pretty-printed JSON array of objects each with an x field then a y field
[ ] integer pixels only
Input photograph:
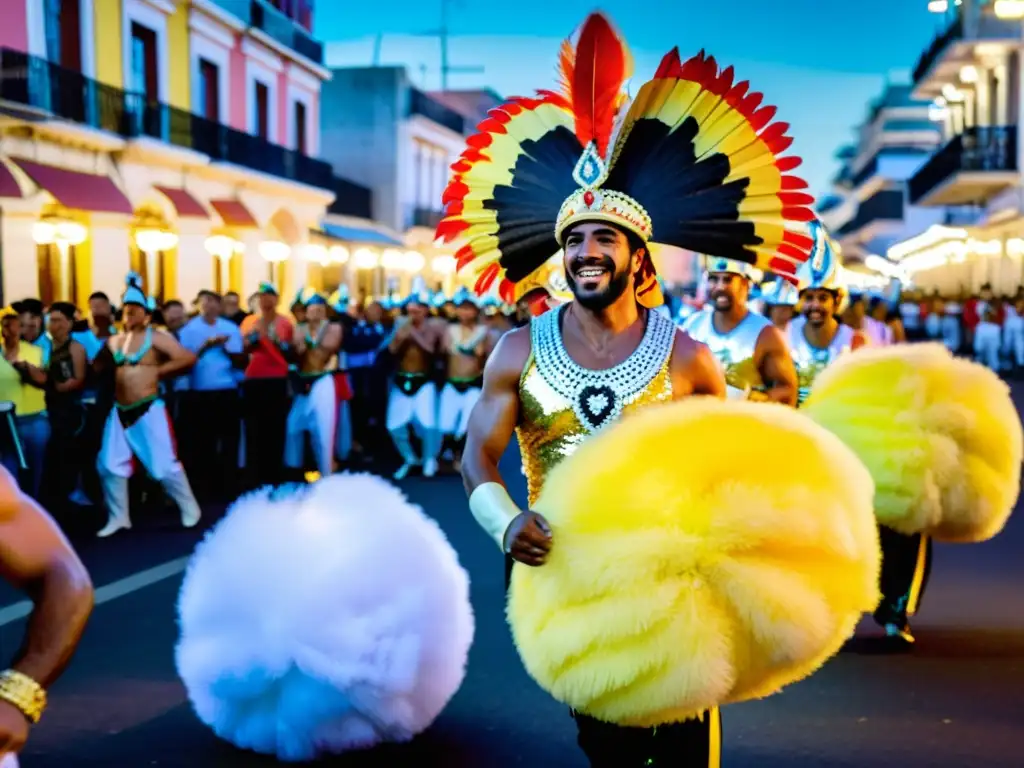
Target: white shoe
[
  {"x": 430, "y": 468},
  {"x": 191, "y": 519},
  {"x": 113, "y": 526},
  {"x": 403, "y": 471}
]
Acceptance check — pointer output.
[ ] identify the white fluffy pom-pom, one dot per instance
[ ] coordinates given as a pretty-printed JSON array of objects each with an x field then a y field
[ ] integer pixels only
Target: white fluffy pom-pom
[{"x": 324, "y": 619}]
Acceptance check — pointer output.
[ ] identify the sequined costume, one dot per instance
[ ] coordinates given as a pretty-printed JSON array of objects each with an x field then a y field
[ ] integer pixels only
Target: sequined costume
[
  {"x": 906, "y": 560},
  {"x": 692, "y": 162}
]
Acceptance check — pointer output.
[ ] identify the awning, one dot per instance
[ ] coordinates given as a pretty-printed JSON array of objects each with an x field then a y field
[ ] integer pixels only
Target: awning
[
  {"x": 234, "y": 214},
  {"x": 81, "y": 191},
  {"x": 359, "y": 235},
  {"x": 9, "y": 186},
  {"x": 183, "y": 202}
]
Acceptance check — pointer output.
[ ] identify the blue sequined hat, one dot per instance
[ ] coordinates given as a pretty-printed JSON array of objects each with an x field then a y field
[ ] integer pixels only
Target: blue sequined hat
[{"x": 134, "y": 293}]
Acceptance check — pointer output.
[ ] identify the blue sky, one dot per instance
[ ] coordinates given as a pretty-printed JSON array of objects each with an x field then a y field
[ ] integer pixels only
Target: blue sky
[{"x": 819, "y": 61}]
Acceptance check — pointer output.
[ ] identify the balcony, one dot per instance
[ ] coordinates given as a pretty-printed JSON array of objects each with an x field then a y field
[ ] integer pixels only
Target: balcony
[
  {"x": 351, "y": 199},
  {"x": 884, "y": 206},
  {"x": 421, "y": 104},
  {"x": 261, "y": 15},
  {"x": 426, "y": 217},
  {"x": 51, "y": 91},
  {"x": 954, "y": 47},
  {"x": 970, "y": 169}
]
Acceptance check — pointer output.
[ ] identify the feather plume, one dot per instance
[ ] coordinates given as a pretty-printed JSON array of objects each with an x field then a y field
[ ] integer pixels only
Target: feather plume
[
  {"x": 601, "y": 67},
  {"x": 566, "y": 66}
]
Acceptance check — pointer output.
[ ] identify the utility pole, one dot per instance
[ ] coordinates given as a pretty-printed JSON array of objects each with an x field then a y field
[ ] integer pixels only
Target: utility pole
[{"x": 442, "y": 34}]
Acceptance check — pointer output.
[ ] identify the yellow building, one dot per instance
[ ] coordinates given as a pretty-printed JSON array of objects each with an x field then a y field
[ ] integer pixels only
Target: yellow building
[{"x": 174, "y": 137}]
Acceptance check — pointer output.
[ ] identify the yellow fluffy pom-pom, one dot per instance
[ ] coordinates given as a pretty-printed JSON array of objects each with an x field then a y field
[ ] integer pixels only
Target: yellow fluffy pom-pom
[
  {"x": 940, "y": 436},
  {"x": 704, "y": 552}
]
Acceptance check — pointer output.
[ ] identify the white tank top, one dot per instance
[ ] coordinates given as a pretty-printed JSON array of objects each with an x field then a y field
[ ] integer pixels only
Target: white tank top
[{"x": 810, "y": 360}]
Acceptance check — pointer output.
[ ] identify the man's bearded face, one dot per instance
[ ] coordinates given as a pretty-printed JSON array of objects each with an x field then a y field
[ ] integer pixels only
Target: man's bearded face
[
  {"x": 727, "y": 290},
  {"x": 598, "y": 264}
]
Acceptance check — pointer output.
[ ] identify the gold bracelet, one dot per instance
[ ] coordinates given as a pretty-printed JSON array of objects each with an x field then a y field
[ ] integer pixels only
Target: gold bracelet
[{"x": 24, "y": 693}]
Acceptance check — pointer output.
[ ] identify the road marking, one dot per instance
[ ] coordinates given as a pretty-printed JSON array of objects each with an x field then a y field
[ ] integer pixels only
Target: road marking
[{"x": 108, "y": 592}]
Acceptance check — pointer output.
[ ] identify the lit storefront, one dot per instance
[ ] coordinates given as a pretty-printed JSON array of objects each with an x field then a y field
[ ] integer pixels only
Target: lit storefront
[{"x": 954, "y": 259}]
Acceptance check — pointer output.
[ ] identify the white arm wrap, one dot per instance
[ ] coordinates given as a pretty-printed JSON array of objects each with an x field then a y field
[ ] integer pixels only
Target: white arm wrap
[{"x": 493, "y": 509}]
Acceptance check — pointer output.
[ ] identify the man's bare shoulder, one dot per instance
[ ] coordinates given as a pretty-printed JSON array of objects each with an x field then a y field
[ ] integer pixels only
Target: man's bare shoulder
[
  {"x": 510, "y": 354},
  {"x": 685, "y": 348}
]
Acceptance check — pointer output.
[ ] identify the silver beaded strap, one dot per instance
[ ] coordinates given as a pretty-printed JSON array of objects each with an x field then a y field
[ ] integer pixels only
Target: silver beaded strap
[{"x": 598, "y": 397}]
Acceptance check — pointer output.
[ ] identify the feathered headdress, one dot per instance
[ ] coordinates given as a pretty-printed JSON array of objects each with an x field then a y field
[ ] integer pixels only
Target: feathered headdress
[
  {"x": 134, "y": 293},
  {"x": 694, "y": 162},
  {"x": 823, "y": 268},
  {"x": 779, "y": 292}
]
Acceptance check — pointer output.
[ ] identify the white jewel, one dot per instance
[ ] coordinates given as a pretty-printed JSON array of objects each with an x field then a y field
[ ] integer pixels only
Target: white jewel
[
  {"x": 625, "y": 381},
  {"x": 597, "y": 403}
]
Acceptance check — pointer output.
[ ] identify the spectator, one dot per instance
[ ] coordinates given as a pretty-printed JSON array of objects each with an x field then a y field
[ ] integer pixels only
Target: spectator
[
  {"x": 65, "y": 382},
  {"x": 21, "y": 381}
]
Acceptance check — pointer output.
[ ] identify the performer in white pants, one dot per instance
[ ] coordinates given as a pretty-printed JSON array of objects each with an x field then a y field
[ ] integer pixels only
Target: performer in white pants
[
  {"x": 138, "y": 428},
  {"x": 314, "y": 389},
  {"x": 412, "y": 402},
  {"x": 340, "y": 302},
  {"x": 467, "y": 343}
]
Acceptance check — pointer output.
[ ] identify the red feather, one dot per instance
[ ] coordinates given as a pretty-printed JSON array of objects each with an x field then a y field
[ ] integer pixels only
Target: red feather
[{"x": 600, "y": 69}]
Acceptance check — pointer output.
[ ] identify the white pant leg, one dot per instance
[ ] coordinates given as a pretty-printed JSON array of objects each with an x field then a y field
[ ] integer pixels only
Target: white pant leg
[
  {"x": 321, "y": 420},
  {"x": 115, "y": 454},
  {"x": 401, "y": 409},
  {"x": 295, "y": 431},
  {"x": 469, "y": 401},
  {"x": 449, "y": 407},
  {"x": 424, "y": 407},
  {"x": 151, "y": 441},
  {"x": 9, "y": 761},
  {"x": 343, "y": 440}
]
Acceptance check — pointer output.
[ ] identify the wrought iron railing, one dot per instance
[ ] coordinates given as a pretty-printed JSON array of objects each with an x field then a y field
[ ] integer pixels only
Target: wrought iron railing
[{"x": 978, "y": 149}]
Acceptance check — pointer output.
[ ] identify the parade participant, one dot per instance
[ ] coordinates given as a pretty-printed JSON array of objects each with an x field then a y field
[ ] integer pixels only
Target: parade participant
[
  {"x": 416, "y": 343},
  {"x": 268, "y": 337},
  {"x": 875, "y": 332},
  {"x": 138, "y": 428},
  {"x": 37, "y": 559},
  {"x": 467, "y": 344},
  {"x": 313, "y": 384},
  {"x": 550, "y": 173},
  {"x": 753, "y": 352},
  {"x": 818, "y": 338},
  {"x": 780, "y": 298}
]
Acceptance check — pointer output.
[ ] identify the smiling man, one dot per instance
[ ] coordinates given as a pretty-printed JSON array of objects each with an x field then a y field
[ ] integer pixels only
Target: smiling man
[
  {"x": 753, "y": 352},
  {"x": 598, "y": 187}
]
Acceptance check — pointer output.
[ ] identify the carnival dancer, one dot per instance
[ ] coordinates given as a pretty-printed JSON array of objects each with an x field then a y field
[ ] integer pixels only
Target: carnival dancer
[
  {"x": 817, "y": 338},
  {"x": 467, "y": 344},
  {"x": 139, "y": 428},
  {"x": 601, "y": 196},
  {"x": 416, "y": 344},
  {"x": 752, "y": 351},
  {"x": 314, "y": 385},
  {"x": 36, "y": 558},
  {"x": 780, "y": 298}
]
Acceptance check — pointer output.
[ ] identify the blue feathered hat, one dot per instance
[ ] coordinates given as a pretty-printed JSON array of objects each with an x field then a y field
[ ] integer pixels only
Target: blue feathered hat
[
  {"x": 134, "y": 294},
  {"x": 418, "y": 294},
  {"x": 339, "y": 300},
  {"x": 307, "y": 297},
  {"x": 266, "y": 287},
  {"x": 464, "y": 296}
]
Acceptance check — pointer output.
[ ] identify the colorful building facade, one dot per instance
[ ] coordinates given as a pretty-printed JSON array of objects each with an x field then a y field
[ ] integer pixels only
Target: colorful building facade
[{"x": 177, "y": 138}]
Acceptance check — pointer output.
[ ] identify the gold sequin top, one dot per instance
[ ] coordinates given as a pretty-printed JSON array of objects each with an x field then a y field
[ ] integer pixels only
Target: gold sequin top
[
  {"x": 562, "y": 404},
  {"x": 734, "y": 350},
  {"x": 810, "y": 360}
]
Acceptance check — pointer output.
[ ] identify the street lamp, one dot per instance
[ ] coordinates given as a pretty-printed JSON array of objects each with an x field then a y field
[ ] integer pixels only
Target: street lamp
[
  {"x": 443, "y": 265},
  {"x": 275, "y": 252},
  {"x": 413, "y": 262},
  {"x": 152, "y": 242},
  {"x": 64, "y": 234},
  {"x": 223, "y": 248},
  {"x": 337, "y": 254}
]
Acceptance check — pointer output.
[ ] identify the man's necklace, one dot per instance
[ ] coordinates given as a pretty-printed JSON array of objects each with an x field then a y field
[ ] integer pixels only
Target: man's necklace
[{"x": 120, "y": 356}]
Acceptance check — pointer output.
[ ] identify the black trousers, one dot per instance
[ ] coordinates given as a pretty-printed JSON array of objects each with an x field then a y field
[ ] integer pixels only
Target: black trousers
[
  {"x": 265, "y": 404},
  {"x": 210, "y": 429},
  {"x": 906, "y": 566},
  {"x": 692, "y": 744}
]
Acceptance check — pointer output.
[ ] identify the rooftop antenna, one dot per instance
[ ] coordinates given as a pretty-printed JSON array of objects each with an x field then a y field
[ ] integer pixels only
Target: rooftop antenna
[{"x": 443, "y": 34}]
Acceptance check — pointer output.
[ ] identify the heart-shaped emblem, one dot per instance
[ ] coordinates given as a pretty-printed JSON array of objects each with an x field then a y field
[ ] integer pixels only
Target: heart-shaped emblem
[{"x": 596, "y": 404}]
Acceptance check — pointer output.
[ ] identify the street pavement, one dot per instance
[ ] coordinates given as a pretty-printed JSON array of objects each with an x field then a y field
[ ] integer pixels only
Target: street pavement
[{"x": 956, "y": 702}]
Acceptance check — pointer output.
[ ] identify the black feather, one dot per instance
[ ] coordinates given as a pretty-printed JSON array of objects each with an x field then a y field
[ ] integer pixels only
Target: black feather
[
  {"x": 688, "y": 200},
  {"x": 527, "y": 210}
]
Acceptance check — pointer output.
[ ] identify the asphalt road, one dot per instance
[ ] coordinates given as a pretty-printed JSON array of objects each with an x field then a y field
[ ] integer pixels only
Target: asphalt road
[{"x": 956, "y": 702}]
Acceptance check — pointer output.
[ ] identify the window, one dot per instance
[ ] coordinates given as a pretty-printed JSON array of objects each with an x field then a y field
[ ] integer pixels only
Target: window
[
  {"x": 300, "y": 127},
  {"x": 209, "y": 90},
  {"x": 261, "y": 103},
  {"x": 145, "y": 73},
  {"x": 63, "y": 33}
]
